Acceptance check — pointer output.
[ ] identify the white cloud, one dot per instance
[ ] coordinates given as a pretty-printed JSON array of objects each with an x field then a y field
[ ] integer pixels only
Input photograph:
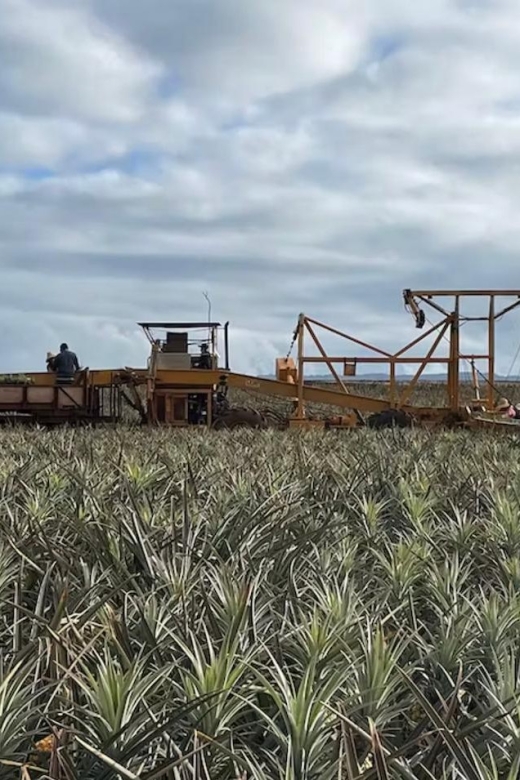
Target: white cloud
[
  {"x": 246, "y": 50},
  {"x": 287, "y": 156},
  {"x": 50, "y": 142},
  {"x": 56, "y": 58},
  {"x": 270, "y": 151}
]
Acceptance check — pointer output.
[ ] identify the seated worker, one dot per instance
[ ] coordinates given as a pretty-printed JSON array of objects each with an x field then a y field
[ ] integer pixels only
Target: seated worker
[
  {"x": 506, "y": 409},
  {"x": 64, "y": 364},
  {"x": 50, "y": 361}
]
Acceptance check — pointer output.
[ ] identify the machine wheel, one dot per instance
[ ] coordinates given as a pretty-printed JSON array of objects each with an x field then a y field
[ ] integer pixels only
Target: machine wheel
[
  {"x": 274, "y": 419},
  {"x": 390, "y": 418},
  {"x": 239, "y": 418}
]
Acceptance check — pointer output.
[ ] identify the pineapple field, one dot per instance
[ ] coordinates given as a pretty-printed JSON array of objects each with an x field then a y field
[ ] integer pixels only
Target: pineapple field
[{"x": 259, "y": 605}]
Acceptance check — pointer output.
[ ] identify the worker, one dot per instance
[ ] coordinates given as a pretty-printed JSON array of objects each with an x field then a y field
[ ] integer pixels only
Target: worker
[
  {"x": 205, "y": 357},
  {"x": 506, "y": 409},
  {"x": 65, "y": 364}
]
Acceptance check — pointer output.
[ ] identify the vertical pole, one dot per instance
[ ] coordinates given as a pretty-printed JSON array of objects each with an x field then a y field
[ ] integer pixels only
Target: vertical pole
[
  {"x": 392, "y": 382},
  {"x": 456, "y": 356},
  {"x": 491, "y": 353},
  {"x": 449, "y": 385},
  {"x": 209, "y": 420},
  {"x": 226, "y": 345},
  {"x": 208, "y": 299},
  {"x": 300, "y": 409},
  {"x": 453, "y": 363},
  {"x": 476, "y": 386},
  {"x": 151, "y": 385}
]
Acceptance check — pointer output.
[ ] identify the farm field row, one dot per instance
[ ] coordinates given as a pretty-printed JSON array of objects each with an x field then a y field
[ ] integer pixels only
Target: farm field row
[{"x": 259, "y": 605}]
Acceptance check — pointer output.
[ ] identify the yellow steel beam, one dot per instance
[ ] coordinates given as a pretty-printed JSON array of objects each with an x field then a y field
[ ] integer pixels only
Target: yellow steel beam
[
  {"x": 318, "y": 395},
  {"x": 194, "y": 379},
  {"x": 466, "y": 293},
  {"x": 408, "y": 361},
  {"x": 100, "y": 378}
]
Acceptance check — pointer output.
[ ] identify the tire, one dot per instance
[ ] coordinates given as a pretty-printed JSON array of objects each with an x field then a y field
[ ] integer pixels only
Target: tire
[
  {"x": 239, "y": 418},
  {"x": 390, "y": 418},
  {"x": 274, "y": 419}
]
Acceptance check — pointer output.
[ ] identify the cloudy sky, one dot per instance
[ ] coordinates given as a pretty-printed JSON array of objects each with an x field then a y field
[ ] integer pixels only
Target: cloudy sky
[{"x": 280, "y": 155}]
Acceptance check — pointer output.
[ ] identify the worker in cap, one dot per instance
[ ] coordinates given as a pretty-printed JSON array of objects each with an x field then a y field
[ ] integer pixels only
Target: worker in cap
[
  {"x": 205, "y": 357},
  {"x": 506, "y": 409},
  {"x": 50, "y": 361},
  {"x": 65, "y": 364}
]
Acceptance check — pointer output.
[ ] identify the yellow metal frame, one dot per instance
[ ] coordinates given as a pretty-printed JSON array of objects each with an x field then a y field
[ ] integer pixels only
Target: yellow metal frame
[
  {"x": 447, "y": 328},
  {"x": 490, "y": 315}
]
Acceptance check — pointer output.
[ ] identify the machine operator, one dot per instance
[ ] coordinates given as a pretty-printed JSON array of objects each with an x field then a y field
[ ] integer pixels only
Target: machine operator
[
  {"x": 204, "y": 360},
  {"x": 64, "y": 364}
]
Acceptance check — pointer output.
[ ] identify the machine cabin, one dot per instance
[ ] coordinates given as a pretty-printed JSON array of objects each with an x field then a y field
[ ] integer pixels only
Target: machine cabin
[{"x": 183, "y": 347}]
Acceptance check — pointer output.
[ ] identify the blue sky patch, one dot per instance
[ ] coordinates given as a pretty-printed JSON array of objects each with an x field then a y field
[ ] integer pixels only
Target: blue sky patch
[
  {"x": 37, "y": 173},
  {"x": 385, "y": 46}
]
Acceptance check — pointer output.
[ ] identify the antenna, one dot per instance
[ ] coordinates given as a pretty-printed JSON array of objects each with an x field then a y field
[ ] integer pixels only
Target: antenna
[
  {"x": 208, "y": 299},
  {"x": 206, "y": 295}
]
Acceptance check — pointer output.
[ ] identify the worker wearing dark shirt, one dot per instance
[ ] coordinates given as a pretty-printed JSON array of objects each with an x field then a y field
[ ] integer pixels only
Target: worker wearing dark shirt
[
  {"x": 204, "y": 360},
  {"x": 65, "y": 364}
]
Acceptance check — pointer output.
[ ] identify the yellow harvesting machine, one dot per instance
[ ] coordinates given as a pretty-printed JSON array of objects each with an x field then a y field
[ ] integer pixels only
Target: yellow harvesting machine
[{"x": 187, "y": 382}]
